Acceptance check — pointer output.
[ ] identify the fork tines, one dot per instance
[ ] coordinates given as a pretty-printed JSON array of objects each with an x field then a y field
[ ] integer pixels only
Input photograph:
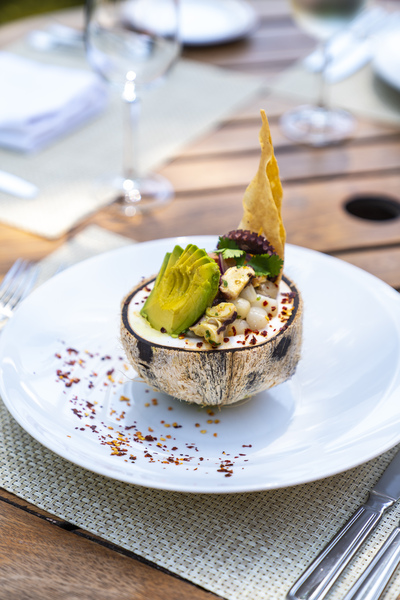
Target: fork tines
[{"x": 15, "y": 286}]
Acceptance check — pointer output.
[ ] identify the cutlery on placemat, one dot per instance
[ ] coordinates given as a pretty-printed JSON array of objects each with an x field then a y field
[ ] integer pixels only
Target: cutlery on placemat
[
  {"x": 319, "y": 577},
  {"x": 12, "y": 184},
  {"x": 351, "y": 49},
  {"x": 370, "y": 585}
]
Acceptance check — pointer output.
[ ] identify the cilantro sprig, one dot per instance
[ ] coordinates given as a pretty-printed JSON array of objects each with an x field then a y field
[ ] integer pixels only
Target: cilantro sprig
[{"x": 263, "y": 264}]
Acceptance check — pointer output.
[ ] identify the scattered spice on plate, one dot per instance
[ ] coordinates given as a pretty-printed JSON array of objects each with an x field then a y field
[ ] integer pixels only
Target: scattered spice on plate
[{"x": 123, "y": 437}]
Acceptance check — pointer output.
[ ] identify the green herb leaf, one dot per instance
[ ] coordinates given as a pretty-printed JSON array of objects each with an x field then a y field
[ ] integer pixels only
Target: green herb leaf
[
  {"x": 232, "y": 253},
  {"x": 224, "y": 243},
  {"x": 264, "y": 264},
  {"x": 229, "y": 249}
]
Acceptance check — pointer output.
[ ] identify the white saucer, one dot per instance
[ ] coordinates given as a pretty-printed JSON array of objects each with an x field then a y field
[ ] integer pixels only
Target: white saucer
[
  {"x": 64, "y": 378},
  {"x": 203, "y": 22}
]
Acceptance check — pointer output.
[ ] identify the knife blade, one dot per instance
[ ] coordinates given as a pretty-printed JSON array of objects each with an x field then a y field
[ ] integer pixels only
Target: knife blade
[
  {"x": 12, "y": 184},
  {"x": 319, "y": 577}
]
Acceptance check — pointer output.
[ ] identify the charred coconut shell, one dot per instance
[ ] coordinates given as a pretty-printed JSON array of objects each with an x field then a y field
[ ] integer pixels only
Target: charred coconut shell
[{"x": 214, "y": 376}]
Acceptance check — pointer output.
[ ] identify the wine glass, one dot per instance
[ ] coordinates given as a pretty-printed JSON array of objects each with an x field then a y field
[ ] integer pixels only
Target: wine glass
[
  {"x": 132, "y": 44},
  {"x": 320, "y": 125}
]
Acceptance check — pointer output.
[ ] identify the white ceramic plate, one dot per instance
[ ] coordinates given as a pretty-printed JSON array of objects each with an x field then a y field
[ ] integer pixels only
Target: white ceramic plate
[
  {"x": 339, "y": 410},
  {"x": 202, "y": 22},
  {"x": 386, "y": 61}
]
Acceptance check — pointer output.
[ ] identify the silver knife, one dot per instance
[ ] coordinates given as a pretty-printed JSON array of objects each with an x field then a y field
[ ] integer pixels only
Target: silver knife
[
  {"x": 12, "y": 184},
  {"x": 319, "y": 577}
]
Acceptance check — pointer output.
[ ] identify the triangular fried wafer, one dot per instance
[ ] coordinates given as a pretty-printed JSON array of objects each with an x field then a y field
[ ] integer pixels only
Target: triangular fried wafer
[{"x": 262, "y": 200}]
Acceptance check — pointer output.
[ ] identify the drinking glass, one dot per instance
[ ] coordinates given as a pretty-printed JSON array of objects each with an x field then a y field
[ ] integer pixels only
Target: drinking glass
[
  {"x": 132, "y": 44},
  {"x": 320, "y": 125}
]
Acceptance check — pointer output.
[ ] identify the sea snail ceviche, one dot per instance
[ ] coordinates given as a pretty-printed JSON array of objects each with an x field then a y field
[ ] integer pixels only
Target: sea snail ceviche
[{"x": 215, "y": 327}]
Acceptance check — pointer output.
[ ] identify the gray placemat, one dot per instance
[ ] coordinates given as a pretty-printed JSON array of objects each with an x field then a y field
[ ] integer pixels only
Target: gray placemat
[{"x": 249, "y": 546}]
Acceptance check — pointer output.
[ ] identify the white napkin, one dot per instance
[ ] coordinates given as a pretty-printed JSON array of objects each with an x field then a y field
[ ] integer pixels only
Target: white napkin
[{"x": 40, "y": 102}]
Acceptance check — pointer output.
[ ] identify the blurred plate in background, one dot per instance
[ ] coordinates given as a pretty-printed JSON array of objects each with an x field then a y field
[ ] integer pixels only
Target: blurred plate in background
[{"x": 203, "y": 22}]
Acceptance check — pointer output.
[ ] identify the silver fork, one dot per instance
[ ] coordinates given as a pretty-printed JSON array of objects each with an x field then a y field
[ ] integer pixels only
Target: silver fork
[{"x": 16, "y": 285}]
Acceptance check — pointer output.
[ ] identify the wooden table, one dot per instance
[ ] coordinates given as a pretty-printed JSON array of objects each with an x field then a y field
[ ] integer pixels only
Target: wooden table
[{"x": 209, "y": 179}]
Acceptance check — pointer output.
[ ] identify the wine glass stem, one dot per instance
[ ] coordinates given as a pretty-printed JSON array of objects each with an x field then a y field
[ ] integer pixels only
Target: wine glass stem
[
  {"x": 322, "y": 92},
  {"x": 130, "y": 132}
]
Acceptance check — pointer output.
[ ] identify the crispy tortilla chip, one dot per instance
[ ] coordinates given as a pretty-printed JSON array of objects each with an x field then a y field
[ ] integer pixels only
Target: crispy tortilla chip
[{"x": 262, "y": 201}]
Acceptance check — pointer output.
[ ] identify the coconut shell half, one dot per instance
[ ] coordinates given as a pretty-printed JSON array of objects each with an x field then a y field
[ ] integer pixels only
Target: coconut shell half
[{"x": 211, "y": 377}]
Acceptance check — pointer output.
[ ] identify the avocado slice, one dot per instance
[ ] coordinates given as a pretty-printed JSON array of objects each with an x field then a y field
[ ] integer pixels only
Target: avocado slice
[{"x": 185, "y": 286}]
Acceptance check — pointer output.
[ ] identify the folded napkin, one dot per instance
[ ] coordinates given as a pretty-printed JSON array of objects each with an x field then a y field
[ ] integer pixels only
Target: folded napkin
[{"x": 41, "y": 102}]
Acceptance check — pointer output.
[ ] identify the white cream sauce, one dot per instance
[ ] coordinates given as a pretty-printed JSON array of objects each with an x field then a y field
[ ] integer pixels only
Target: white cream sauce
[{"x": 143, "y": 328}]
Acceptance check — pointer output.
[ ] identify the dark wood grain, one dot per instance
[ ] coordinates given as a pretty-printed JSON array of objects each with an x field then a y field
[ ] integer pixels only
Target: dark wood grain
[{"x": 46, "y": 561}]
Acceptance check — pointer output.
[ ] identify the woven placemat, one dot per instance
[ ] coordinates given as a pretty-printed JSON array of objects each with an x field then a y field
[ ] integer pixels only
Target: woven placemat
[
  {"x": 240, "y": 546},
  {"x": 190, "y": 103}
]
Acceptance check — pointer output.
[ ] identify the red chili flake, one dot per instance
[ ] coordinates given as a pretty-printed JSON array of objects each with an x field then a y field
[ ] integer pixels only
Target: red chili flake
[
  {"x": 62, "y": 375},
  {"x": 107, "y": 357},
  {"x": 199, "y": 344},
  {"x": 163, "y": 330},
  {"x": 265, "y": 303},
  {"x": 174, "y": 448},
  {"x": 253, "y": 341},
  {"x": 70, "y": 362},
  {"x": 247, "y": 331},
  {"x": 273, "y": 308},
  {"x": 226, "y": 340},
  {"x": 150, "y": 438},
  {"x": 72, "y": 351},
  {"x": 110, "y": 372},
  {"x": 57, "y": 355},
  {"x": 247, "y": 446}
]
